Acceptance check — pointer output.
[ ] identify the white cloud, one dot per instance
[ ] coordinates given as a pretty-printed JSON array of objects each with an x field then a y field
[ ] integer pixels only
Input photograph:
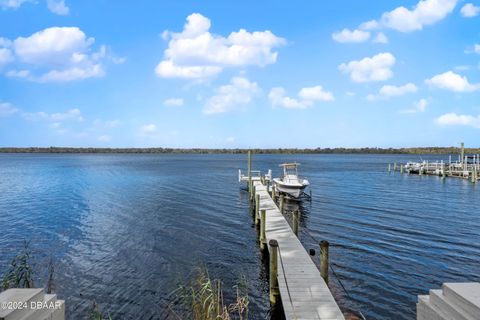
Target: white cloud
[
  {"x": 476, "y": 48},
  {"x": 12, "y": 4},
  {"x": 174, "y": 102},
  {"x": 56, "y": 54},
  {"x": 148, "y": 129},
  {"x": 470, "y": 10},
  {"x": 347, "y": 35},
  {"x": 376, "y": 68},
  {"x": 196, "y": 53},
  {"x": 308, "y": 96},
  {"x": 418, "y": 106},
  {"x": 69, "y": 115},
  {"x": 380, "y": 38},
  {"x": 451, "y": 119},
  {"x": 58, "y": 7},
  {"x": 7, "y": 109},
  {"x": 316, "y": 93},
  {"x": 452, "y": 81},
  {"x": 238, "y": 93},
  {"x": 104, "y": 138},
  {"x": 5, "y": 56},
  {"x": 387, "y": 91},
  {"x": 425, "y": 12}
]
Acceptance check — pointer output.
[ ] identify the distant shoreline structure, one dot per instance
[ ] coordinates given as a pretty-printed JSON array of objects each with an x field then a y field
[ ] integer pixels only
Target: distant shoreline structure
[{"x": 413, "y": 150}]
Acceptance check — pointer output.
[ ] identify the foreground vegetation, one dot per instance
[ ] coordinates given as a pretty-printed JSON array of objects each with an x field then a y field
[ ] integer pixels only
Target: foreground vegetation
[
  {"x": 417, "y": 150},
  {"x": 204, "y": 300}
]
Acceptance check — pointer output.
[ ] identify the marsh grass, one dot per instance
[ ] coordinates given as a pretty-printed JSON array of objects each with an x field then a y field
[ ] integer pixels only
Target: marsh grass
[
  {"x": 204, "y": 299},
  {"x": 20, "y": 272},
  {"x": 97, "y": 314}
]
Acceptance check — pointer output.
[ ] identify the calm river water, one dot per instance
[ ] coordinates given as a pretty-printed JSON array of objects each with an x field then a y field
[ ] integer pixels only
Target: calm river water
[{"x": 126, "y": 230}]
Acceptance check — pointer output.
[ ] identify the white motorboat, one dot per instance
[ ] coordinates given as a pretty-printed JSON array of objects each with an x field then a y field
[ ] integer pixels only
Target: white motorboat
[{"x": 291, "y": 183}]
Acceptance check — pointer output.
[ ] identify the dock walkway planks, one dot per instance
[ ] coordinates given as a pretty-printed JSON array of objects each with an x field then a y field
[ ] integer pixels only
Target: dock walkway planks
[{"x": 307, "y": 295}]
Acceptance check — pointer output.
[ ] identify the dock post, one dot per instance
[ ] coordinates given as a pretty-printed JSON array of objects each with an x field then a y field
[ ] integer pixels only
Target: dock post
[
  {"x": 250, "y": 170},
  {"x": 296, "y": 221},
  {"x": 263, "y": 237},
  {"x": 462, "y": 151},
  {"x": 274, "y": 290},
  {"x": 389, "y": 167},
  {"x": 394, "y": 166},
  {"x": 324, "y": 260},
  {"x": 401, "y": 168},
  {"x": 273, "y": 193},
  {"x": 474, "y": 174},
  {"x": 252, "y": 193},
  {"x": 282, "y": 200},
  {"x": 257, "y": 209}
]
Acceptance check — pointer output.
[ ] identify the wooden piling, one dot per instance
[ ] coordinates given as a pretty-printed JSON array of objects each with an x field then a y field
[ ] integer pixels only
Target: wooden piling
[
  {"x": 282, "y": 200},
  {"x": 250, "y": 171},
  {"x": 296, "y": 221},
  {"x": 389, "y": 167},
  {"x": 263, "y": 237},
  {"x": 324, "y": 260},
  {"x": 401, "y": 168},
  {"x": 257, "y": 209},
  {"x": 462, "y": 151},
  {"x": 274, "y": 289},
  {"x": 394, "y": 166}
]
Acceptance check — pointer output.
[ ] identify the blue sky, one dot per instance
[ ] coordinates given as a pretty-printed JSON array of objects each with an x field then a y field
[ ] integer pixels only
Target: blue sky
[{"x": 239, "y": 73}]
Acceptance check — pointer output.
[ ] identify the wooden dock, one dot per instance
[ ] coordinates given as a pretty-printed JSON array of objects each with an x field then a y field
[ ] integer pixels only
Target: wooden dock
[{"x": 303, "y": 292}]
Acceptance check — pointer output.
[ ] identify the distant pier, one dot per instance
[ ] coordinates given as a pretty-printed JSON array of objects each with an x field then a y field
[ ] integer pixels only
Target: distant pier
[{"x": 466, "y": 167}]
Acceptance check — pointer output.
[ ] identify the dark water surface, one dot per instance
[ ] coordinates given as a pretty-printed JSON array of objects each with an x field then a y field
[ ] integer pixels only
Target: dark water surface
[{"x": 126, "y": 230}]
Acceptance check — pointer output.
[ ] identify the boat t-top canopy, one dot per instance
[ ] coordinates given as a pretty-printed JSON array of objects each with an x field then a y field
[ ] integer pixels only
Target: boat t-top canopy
[{"x": 289, "y": 165}]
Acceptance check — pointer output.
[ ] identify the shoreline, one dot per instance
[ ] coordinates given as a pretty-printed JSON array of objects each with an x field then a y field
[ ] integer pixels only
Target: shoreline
[{"x": 87, "y": 150}]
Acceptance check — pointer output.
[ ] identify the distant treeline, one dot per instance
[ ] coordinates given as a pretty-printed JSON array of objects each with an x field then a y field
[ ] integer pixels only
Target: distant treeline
[{"x": 419, "y": 150}]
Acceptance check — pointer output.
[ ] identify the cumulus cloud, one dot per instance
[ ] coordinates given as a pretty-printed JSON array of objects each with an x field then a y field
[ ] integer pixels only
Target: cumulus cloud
[
  {"x": 307, "y": 97},
  {"x": 56, "y": 54},
  {"x": 452, "y": 81},
  {"x": 418, "y": 106},
  {"x": 347, "y": 35},
  {"x": 453, "y": 119},
  {"x": 237, "y": 93},
  {"x": 387, "y": 91},
  {"x": 424, "y": 13},
  {"x": 58, "y": 7},
  {"x": 376, "y": 68},
  {"x": 5, "y": 56},
  {"x": 7, "y": 109},
  {"x": 196, "y": 53},
  {"x": 470, "y": 10},
  {"x": 174, "y": 102}
]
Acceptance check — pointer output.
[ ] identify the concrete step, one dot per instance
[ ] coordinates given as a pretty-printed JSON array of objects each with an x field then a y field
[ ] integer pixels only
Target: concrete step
[
  {"x": 44, "y": 309},
  {"x": 425, "y": 310},
  {"x": 21, "y": 299},
  {"x": 465, "y": 296},
  {"x": 441, "y": 303}
]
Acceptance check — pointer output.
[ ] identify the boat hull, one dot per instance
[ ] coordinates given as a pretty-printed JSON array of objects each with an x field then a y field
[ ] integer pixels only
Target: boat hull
[{"x": 292, "y": 190}]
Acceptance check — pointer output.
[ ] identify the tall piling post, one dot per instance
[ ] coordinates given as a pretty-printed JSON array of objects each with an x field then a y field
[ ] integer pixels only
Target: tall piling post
[
  {"x": 324, "y": 260},
  {"x": 274, "y": 290},
  {"x": 250, "y": 170},
  {"x": 462, "y": 151},
  {"x": 263, "y": 237},
  {"x": 296, "y": 221},
  {"x": 257, "y": 209},
  {"x": 389, "y": 167},
  {"x": 282, "y": 200},
  {"x": 273, "y": 193},
  {"x": 401, "y": 168},
  {"x": 394, "y": 166}
]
